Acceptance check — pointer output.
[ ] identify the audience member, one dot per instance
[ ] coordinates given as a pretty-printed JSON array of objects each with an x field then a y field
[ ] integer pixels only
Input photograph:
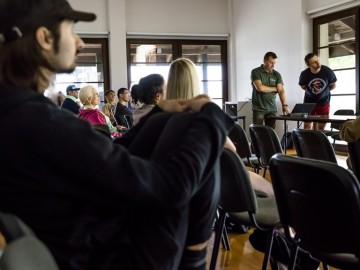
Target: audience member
[
  {"x": 60, "y": 99},
  {"x": 317, "y": 81},
  {"x": 184, "y": 83},
  {"x": 90, "y": 98},
  {"x": 109, "y": 107},
  {"x": 71, "y": 102},
  {"x": 183, "y": 80},
  {"x": 149, "y": 91},
  {"x": 350, "y": 130},
  {"x": 95, "y": 204},
  {"x": 266, "y": 83},
  {"x": 123, "y": 113}
]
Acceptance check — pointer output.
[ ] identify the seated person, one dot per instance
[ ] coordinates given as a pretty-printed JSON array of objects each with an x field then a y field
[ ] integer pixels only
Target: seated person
[
  {"x": 350, "y": 132},
  {"x": 71, "y": 102},
  {"x": 123, "y": 111},
  {"x": 91, "y": 99},
  {"x": 183, "y": 83},
  {"x": 104, "y": 206},
  {"x": 149, "y": 91},
  {"x": 109, "y": 107}
]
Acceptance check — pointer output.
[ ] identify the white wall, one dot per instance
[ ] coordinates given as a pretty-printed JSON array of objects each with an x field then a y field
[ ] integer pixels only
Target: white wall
[{"x": 174, "y": 16}]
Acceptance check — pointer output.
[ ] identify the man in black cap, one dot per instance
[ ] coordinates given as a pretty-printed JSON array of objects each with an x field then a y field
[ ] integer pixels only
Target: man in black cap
[
  {"x": 95, "y": 204},
  {"x": 71, "y": 102}
]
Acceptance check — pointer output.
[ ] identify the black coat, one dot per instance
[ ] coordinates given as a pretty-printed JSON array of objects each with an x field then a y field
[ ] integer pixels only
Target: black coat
[{"x": 78, "y": 190}]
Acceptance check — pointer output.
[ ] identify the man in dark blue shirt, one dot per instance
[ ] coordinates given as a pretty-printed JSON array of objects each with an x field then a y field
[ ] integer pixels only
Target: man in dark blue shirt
[
  {"x": 71, "y": 102},
  {"x": 317, "y": 81}
]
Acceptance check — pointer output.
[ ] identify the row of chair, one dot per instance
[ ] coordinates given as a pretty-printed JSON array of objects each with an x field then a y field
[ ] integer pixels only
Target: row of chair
[{"x": 313, "y": 196}]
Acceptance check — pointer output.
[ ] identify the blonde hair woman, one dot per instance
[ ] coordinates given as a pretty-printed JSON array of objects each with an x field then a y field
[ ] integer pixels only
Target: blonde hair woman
[
  {"x": 183, "y": 80},
  {"x": 184, "y": 83},
  {"x": 90, "y": 98}
]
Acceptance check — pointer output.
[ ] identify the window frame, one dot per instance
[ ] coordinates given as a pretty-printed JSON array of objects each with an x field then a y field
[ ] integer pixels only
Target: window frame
[
  {"x": 316, "y": 48},
  {"x": 177, "y": 53}
]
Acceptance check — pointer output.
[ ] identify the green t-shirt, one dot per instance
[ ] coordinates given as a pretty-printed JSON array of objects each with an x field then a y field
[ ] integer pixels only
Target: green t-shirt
[{"x": 265, "y": 101}]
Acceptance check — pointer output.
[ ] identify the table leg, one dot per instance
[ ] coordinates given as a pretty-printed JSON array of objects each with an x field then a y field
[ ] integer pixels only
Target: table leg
[{"x": 285, "y": 138}]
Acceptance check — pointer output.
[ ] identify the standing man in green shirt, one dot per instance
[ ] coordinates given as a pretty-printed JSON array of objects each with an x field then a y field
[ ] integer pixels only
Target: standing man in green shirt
[{"x": 266, "y": 83}]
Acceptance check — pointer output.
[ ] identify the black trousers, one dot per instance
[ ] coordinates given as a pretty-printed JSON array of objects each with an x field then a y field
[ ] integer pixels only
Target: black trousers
[{"x": 161, "y": 235}]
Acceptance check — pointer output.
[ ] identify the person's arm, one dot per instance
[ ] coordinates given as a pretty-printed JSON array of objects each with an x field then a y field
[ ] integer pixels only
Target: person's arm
[
  {"x": 282, "y": 96},
  {"x": 350, "y": 130},
  {"x": 106, "y": 110},
  {"x": 332, "y": 86},
  {"x": 260, "y": 87}
]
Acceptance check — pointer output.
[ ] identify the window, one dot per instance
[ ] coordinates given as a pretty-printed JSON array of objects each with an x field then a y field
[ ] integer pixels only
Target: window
[
  {"x": 336, "y": 42},
  {"x": 155, "y": 56},
  {"x": 92, "y": 67}
]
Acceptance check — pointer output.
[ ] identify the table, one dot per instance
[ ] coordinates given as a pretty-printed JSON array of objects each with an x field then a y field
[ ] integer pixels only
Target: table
[{"x": 311, "y": 118}]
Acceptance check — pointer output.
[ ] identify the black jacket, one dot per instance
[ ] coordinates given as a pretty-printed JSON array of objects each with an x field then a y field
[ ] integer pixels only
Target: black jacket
[{"x": 76, "y": 189}]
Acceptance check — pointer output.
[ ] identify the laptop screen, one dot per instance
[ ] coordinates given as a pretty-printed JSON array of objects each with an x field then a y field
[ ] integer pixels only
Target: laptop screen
[{"x": 303, "y": 108}]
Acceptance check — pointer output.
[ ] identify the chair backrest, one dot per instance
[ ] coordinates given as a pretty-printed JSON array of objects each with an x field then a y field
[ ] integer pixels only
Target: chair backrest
[
  {"x": 238, "y": 136},
  {"x": 354, "y": 154},
  {"x": 237, "y": 194},
  {"x": 341, "y": 112},
  {"x": 23, "y": 250},
  {"x": 316, "y": 198},
  {"x": 265, "y": 142},
  {"x": 313, "y": 144}
]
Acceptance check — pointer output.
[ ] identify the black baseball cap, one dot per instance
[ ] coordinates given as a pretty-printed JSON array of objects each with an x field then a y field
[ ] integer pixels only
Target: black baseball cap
[
  {"x": 72, "y": 87},
  {"x": 22, "y": 17}
]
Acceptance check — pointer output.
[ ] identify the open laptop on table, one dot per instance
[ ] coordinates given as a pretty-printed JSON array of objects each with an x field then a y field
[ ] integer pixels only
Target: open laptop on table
[{"x": 302, "y": 109}]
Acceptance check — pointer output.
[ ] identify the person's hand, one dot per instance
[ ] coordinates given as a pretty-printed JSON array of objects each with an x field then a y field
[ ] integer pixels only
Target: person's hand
[
  {"x": 194, "y": 104},
  {"x": 229, "y": 144},
  {"x": 118, "y": 127},
  {"x": 286, "y": 110}
]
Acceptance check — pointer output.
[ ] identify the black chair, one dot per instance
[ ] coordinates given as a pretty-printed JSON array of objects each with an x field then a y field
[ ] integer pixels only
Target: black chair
[
  {"x": 23, "y": 251},
  {"x": 335, "y": 127},
  {"x": 238, "y": 136},
  {"x": 354, "y": 155},
  {"x": 317, "y": 200},
  {"x": 238, "y": 199},
  {"x": 266, "y": 143},
  {"x": 313, "y": 144}
]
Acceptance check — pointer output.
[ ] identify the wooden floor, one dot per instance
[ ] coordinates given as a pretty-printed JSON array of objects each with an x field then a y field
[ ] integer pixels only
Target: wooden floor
[{"x": 242, "y": 255}]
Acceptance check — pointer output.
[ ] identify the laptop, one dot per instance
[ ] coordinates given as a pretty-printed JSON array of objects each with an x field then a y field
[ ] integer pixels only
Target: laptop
[{"x": 302, "y": 109}]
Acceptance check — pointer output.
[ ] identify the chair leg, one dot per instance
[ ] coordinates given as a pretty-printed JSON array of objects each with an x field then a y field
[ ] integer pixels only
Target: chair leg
[
  {"x": 225, "y": 239},
  {"x": 219, "y": 228},
  {"x": 268, "y": 249},
  {"x": 293, "y": 257},
  {"x": 325, "y": 266},
  {"x": 265, "y": 169}
]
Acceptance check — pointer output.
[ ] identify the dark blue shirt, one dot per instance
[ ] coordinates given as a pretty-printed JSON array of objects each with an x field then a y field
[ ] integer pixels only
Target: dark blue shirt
[{"x": 317, "y": 85}]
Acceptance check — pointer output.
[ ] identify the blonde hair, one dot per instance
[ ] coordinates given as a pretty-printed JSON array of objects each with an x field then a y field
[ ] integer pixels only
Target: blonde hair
[
  {"x": 183, "y": 80},
  {"x": 86, "y": 94}
]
